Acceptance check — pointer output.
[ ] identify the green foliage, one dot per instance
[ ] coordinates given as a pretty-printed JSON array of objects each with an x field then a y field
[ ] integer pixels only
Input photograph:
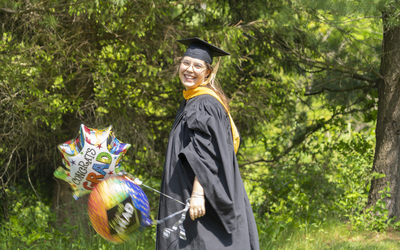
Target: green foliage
[
  {"x": 302, "y": 79},
  {"x": 328, "y": 176},
  {"x": 376, "y": 217},
  {"x": 32, "y": 227},
  {"x": 28, "y": 218}
]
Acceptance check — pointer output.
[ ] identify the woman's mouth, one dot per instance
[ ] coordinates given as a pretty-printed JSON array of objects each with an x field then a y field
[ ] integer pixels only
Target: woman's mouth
[{"x": 189, "y": 78}]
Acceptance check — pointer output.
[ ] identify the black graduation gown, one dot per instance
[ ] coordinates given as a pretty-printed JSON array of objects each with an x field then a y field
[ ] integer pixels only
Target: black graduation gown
[{"x": 200, "y": 144}]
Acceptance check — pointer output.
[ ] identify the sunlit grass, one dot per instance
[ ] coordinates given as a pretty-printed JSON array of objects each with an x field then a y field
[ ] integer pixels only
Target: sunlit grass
[{"x": 333, "y": 235}]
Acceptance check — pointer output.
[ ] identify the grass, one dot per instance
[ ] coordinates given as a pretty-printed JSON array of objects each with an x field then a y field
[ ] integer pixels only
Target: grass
[
  {"x": 333, "y": 235},
  {"x": 78, "y": 241}
]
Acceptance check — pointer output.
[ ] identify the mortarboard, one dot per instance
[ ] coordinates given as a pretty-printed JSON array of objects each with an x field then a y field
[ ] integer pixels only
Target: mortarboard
[{"x": 201, "y": 49}]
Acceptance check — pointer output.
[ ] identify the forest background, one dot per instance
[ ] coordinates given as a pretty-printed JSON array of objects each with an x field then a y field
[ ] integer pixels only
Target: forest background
[{"x": 313, "y": 88}]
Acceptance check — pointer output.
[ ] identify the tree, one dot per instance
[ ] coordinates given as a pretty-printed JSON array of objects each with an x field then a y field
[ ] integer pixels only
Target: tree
[
  {"x": 322, "y": 40},
  {"x": 387, "y": 154},
  {"x": 111, "y": 62},
  {"x": 98, "y": 63}
]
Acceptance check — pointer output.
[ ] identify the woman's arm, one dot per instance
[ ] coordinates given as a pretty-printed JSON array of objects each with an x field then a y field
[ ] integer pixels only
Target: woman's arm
[{"x": 197, "y": 202}]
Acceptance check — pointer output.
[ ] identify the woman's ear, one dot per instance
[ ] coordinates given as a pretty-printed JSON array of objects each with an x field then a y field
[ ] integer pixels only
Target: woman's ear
[{"x": 208, "y": 73}]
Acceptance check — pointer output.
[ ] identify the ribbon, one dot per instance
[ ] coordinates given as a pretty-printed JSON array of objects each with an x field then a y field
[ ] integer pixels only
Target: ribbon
[{"x": 179, "y": 224}]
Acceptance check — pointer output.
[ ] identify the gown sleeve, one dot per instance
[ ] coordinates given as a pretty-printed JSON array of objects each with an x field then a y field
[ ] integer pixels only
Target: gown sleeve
[{"x": 211, "y": 156}]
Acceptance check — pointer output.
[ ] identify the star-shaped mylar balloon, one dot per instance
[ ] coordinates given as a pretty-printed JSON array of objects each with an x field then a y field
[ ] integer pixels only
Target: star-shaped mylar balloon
[{"x": 91, "y": 157}]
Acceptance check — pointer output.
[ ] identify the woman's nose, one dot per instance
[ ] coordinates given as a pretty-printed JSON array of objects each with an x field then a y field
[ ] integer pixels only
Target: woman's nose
[{"x": 190, "y": 68}]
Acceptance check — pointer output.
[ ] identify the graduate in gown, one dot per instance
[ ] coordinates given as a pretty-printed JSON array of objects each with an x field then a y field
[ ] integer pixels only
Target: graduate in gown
[{"x": 201, "y": 164}]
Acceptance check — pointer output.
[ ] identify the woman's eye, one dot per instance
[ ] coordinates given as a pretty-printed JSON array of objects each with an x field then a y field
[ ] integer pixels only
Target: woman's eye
[
  {"x": 186, "y": 63},
  {"x": 198, "y": 66}
]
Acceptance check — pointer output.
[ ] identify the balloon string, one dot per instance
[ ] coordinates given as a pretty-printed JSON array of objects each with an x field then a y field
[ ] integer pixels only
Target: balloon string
[
  {"x": 164, "y": 194},
  {"x": 179, "y": 224},
  {"x": 187, "y": 205},
  {"x": 140, "y": 183}
]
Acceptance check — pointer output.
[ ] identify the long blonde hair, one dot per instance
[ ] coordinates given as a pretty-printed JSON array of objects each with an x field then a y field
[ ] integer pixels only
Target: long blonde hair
[{"x": 212, "y": 83}]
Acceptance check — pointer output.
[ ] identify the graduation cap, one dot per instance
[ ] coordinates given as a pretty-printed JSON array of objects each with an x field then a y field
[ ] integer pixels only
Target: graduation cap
[{"x": 201, "y": 49}]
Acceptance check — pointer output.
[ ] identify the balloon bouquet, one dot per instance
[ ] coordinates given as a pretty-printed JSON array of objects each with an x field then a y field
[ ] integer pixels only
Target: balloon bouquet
[{"x": 117, "y": 205}]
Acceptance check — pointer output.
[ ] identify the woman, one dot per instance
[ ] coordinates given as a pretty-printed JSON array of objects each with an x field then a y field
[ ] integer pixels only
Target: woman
[{"x": 201, "y": 165}]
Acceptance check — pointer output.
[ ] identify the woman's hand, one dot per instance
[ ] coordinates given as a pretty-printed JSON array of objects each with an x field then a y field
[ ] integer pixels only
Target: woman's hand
[
  {"x": 197, "y": 207},
  {"x": 197, "y": 201}
]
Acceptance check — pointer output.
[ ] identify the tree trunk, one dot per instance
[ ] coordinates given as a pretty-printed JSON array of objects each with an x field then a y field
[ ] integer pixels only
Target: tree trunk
[
  {"x": 387, "y": 149},
  {"x": 70, "y": 212}
]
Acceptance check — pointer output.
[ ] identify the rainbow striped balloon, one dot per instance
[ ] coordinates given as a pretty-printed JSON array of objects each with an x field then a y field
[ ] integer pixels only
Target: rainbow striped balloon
[{"x": 118, "y": 209}]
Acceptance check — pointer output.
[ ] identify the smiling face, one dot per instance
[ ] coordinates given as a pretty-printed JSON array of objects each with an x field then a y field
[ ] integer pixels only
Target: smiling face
[{"x": 192, "y": 72}]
